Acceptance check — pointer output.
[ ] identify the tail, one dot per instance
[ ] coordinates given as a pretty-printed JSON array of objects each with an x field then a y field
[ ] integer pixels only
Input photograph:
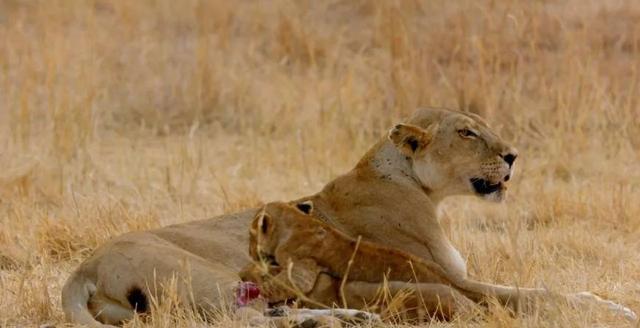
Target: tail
[{"x": 75, "y": 297}]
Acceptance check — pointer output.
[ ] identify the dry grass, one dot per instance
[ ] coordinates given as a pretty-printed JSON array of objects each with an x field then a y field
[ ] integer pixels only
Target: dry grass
[{"x": 126, "y": 115}]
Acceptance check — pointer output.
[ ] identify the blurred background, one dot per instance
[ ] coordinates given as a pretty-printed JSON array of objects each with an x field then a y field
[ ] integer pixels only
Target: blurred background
[{"x": 127, "y": 115}]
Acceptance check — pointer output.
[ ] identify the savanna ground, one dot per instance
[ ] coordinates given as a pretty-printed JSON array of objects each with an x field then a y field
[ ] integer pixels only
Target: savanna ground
[{"x": 128, "y": 115}]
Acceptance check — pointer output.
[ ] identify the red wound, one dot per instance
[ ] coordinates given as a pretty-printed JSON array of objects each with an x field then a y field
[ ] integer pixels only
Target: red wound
[{"x": 246, "y": 292}]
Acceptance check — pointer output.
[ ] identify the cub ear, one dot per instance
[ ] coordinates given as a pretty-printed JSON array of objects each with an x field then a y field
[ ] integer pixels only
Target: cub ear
[
  {"x": 265, "y": 223},
  {"x": 305, "y": 207},
  {"x": 410, "y": 139}
]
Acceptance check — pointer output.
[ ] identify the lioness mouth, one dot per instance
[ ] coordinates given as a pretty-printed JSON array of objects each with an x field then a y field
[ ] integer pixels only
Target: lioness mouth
[{"x": 483, "y": 186}]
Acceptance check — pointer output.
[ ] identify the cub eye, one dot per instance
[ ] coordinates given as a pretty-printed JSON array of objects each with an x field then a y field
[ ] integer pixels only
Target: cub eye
[{"x": 466, "y": 133}]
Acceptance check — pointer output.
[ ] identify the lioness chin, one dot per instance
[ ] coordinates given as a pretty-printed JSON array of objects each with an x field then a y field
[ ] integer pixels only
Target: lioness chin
[{"x": 389, "y": 198}]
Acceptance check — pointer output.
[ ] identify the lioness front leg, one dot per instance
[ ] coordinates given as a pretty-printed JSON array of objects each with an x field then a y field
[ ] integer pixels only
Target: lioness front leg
[{"x": 524, "y": 299}]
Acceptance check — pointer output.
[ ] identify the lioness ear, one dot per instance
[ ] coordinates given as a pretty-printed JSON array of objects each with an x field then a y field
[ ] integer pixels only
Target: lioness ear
[
  {"x": 305, "y": 207},
  {"x": 410, "y": 139}
]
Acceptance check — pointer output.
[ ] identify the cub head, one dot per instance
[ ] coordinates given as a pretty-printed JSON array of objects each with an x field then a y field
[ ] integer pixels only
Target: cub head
[
  {"x": 272, "y": 225},
  {"x": 455, "y": 153}
]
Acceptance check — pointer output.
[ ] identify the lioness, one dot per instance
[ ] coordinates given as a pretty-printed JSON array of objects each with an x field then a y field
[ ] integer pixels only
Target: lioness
[{"x": 389, "y": 198}]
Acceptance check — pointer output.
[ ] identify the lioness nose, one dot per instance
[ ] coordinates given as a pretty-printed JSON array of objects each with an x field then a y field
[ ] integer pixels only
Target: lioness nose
[{"x": 509, "y": 158}]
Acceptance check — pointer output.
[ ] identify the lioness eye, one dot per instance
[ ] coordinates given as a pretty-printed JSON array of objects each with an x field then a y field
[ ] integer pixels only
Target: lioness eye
[{"x": 466, "y": 133}]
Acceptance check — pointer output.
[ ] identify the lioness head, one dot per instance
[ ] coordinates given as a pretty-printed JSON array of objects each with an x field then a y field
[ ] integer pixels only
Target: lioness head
[
  {"x": 271, "y": 224},
  {"x": 455, "y": 153}
]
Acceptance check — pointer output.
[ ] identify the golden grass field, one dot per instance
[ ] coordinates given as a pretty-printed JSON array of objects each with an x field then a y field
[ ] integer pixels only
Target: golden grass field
[{"x": 128, "y": 115}]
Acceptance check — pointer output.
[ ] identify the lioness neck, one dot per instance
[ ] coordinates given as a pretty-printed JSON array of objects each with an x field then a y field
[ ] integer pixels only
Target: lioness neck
[
  {"x": 383, "y": 201},
  {"x": 384, "y": 161},
  {"x": 382, "y": 174}
]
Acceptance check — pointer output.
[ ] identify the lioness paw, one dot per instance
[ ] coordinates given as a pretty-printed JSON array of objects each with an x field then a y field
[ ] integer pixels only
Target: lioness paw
[{"x": 585, "y": 297}]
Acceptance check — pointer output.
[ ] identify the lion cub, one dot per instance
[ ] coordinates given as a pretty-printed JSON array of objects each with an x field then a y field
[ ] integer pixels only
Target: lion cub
[{"x": 292, "y": 248}]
